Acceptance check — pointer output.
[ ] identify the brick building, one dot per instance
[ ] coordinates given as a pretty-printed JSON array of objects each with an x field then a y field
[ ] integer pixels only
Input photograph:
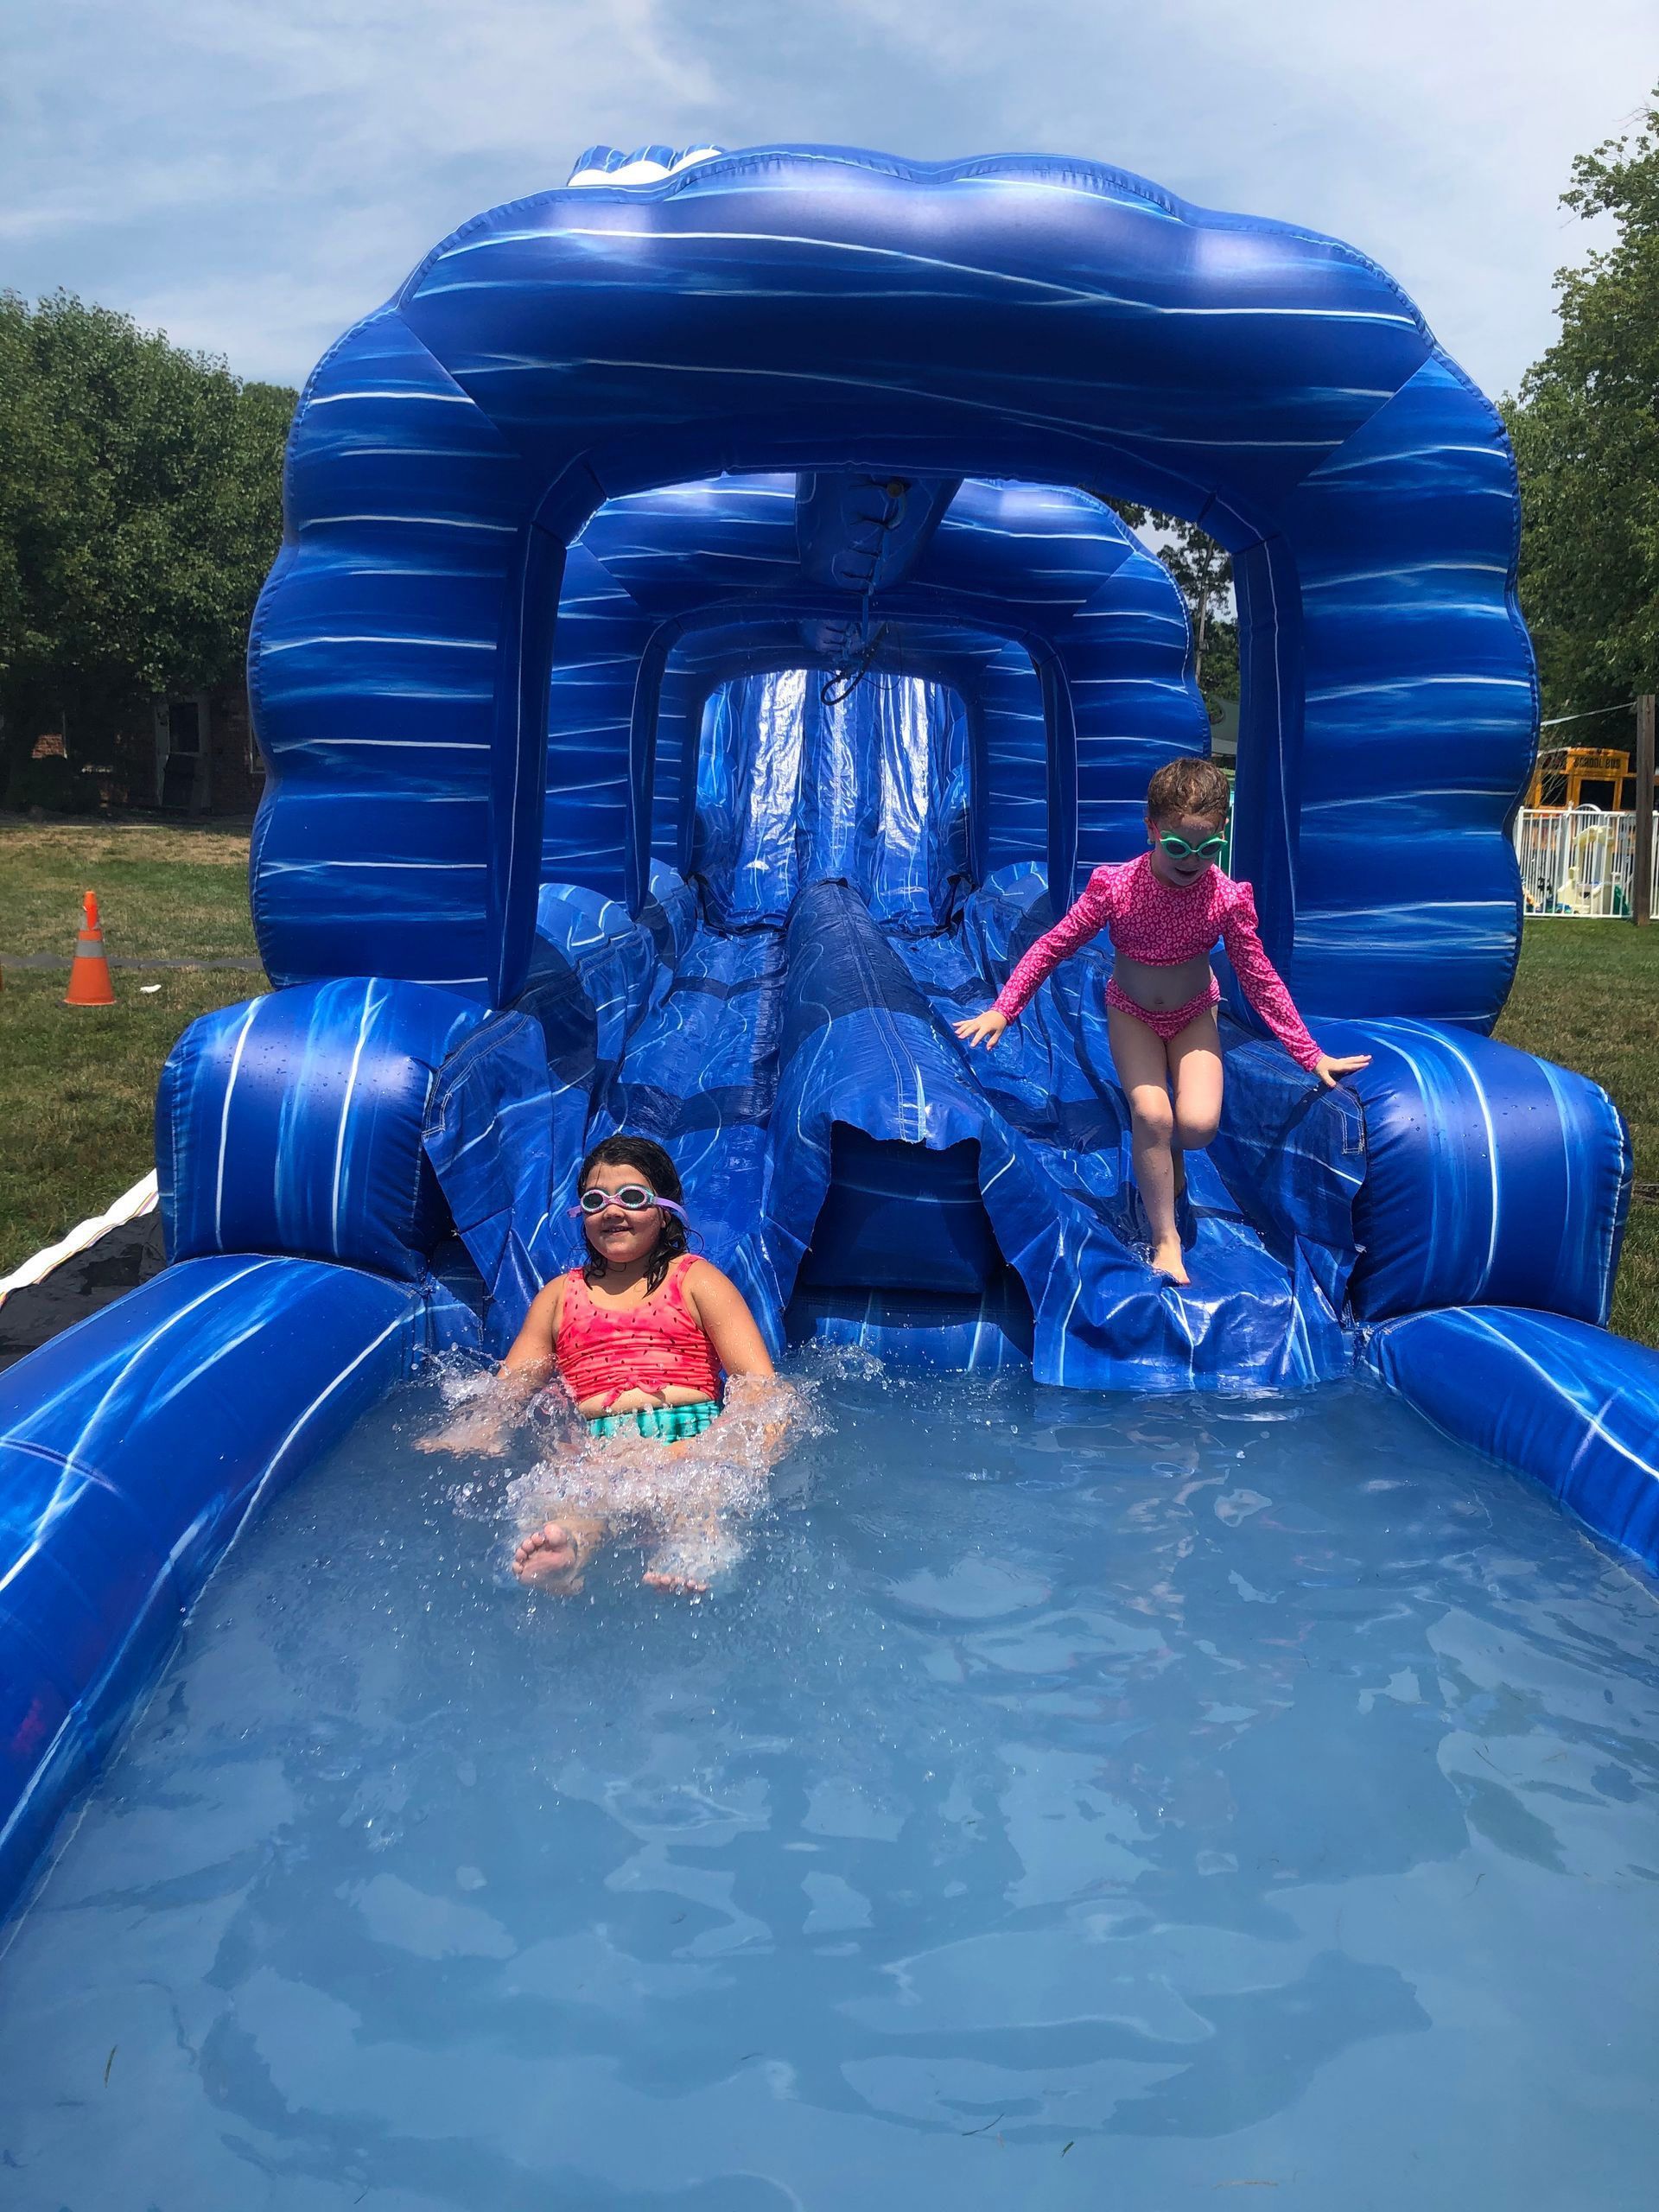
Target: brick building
[{"x": 206, "y": 761}]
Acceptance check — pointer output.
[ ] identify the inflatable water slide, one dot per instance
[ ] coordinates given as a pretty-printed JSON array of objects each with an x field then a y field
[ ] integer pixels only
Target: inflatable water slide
[{"x": 703, "y": 654}]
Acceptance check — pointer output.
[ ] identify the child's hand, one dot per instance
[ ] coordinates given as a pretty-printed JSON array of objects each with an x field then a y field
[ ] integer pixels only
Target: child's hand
[
  {"x": 1328, "y": 1070},
  {"x": 983, "y": 1029}
]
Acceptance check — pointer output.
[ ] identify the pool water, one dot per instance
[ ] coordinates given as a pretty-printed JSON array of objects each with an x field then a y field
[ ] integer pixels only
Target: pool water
[{"x": 1069, "y": 1801}]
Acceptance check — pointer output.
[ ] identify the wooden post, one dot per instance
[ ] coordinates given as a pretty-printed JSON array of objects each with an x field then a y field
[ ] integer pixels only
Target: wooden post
[{"x": 1642, "y": 881}]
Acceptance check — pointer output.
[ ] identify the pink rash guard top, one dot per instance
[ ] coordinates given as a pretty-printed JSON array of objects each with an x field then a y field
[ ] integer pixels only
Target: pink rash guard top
[{"x": 1164, "y": 924}]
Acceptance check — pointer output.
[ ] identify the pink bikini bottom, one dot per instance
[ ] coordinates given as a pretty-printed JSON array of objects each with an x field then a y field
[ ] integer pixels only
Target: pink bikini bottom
[{"x": 1164, "y": 1022}]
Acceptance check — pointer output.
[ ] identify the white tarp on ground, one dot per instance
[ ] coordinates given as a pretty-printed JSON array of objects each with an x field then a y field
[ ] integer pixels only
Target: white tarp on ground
[{"x": 141, "y": 1198}]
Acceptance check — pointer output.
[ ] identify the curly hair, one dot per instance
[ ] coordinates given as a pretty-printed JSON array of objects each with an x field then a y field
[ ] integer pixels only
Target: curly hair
[
  {"x": 1188, "y": 787},
  {"x": 657, "y": 1170}
]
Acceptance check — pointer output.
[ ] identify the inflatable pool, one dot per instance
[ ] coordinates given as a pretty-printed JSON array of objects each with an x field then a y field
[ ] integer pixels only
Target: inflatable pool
[{"x": 700, "y": 656}]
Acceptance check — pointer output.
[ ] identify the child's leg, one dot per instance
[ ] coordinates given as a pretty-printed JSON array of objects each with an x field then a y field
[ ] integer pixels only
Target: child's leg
[
  {"x": 1195, "y": 1064},
  {"x": 691, "y": 1549},
  {"x": 1142, "y": 1062},
  {"x": 720, "y": 1478}
]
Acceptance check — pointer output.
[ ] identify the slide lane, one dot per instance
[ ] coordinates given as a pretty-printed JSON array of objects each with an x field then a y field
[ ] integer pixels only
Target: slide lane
[
  {"x": 1262, "y": 1307},
  {"x": 756, "y": 1054},
  {"x": 700, "y": 1075}
]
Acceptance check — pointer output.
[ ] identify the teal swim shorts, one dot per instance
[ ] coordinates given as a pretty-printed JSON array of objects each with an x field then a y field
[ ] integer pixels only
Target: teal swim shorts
[{"x": 661, "y": 1424}]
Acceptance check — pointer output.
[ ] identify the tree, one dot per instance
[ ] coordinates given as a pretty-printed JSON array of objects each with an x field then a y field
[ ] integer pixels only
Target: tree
[
  {"x": 1203, "y": 575},
  {"x": 1203, "y": 572},
  {"x": 140, "y": 508},
  {"x": 1586, "y": 431}
]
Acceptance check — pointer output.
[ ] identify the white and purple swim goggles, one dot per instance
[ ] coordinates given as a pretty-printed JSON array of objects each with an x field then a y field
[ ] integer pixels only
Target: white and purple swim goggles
[{"x": 633, "y": 1198}]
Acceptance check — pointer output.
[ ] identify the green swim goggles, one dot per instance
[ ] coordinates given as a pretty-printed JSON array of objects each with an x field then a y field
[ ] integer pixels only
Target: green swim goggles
[{"x": 1211, "y": 849}]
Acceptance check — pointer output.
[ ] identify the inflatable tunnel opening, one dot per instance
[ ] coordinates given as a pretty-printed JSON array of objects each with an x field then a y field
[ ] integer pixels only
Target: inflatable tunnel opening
[
  {"x": 827, "y": 748},
  {"x": 904, "y": 1260},
  {"x": 806, "y": 776}
]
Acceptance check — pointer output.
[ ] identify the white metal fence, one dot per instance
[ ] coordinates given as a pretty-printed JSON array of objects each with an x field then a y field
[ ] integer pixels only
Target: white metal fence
[{"x": 1577, "y": 861}]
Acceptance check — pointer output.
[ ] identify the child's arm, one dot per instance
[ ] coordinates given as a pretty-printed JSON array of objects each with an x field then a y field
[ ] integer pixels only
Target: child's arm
[
  {"x": 1089, "y": 915},
  {"x": 1264, "y": 987},
  {"x": 722, "y": 1313},
  {"x": 530, "y": 1362},
  {"x": 527, "y": 1366}
]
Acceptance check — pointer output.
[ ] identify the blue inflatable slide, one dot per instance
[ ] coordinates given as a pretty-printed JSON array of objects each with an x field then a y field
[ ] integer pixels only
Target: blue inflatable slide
[{"x": 702, "y": 656}]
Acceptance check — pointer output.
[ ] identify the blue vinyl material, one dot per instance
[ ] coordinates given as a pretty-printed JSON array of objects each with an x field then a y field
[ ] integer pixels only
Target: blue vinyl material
[
  {"x": 293, "y": 1123},
  {"x": 668, "y": 593},
  {"x": 1492, "y": 1179},
  {"x": 756, "y": 1052},
  {"x": 762, "y": 312},
  {"x": 701, "y": 659},
  {"x": 493, "y": 1132},
  {"x": 1566, "y": 1403},
  {"x": 988, "y": 1333},
  {"x": 132, "y": 1449},
  {"x": 897, "y": 1217},
  {"x": 868, "y": 790}
]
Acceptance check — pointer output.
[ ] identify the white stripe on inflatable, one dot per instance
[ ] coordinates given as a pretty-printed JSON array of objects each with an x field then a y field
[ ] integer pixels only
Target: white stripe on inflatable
[
  {"x": 369, "y": 1011},
  {"x": 320, "y": 1401},
  {"x": 254, "y": 1005},
  {"x": 644, "y": 172}
]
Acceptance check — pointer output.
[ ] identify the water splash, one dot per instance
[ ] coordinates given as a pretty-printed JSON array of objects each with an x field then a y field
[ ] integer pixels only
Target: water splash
[{"x": 688, "y": 1505}]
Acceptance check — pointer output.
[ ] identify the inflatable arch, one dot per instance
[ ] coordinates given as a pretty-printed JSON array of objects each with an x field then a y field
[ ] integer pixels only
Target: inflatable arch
[
  {"x": 1053, "y": 322},
  {"x": 578, "y": 527}
]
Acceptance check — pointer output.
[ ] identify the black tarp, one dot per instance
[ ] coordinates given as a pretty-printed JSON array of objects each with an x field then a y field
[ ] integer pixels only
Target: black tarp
[{"x": 121, "y": 1259}]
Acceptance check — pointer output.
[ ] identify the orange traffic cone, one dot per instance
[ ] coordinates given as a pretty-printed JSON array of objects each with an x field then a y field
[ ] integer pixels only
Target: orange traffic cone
[{"x": 89, "y": 979}]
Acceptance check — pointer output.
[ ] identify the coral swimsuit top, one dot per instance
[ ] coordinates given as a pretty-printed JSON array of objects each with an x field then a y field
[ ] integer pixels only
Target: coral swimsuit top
[
  {"x": 657, "y": 1345},
  {"x": 1162, "y": 925}
]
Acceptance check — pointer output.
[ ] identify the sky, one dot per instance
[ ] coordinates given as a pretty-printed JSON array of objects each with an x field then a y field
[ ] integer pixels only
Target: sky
[{"x": 253, "y": 176}]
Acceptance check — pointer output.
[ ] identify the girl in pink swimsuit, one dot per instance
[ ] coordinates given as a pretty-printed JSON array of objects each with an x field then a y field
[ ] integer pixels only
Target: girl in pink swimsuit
[
  {"x": 1165, "y": 912},
  {"x": 643, "y": 1338}
]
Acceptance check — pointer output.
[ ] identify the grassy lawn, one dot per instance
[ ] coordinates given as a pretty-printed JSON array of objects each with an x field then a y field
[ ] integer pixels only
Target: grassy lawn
[
  {"x": 165, "y": 891},
  {"x": 1587, "y": 995},
  {"x": 77, "y": 1083},
  {"x": 77, "y": 1090}
]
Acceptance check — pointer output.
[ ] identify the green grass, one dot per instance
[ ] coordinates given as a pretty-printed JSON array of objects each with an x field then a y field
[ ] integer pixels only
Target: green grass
[
  {"x": 164, "y": 891},
  {"x": 77, "y": 1083},
  {"x": 77, "y": 1090},
  {"x": 1587, "y": 994}
]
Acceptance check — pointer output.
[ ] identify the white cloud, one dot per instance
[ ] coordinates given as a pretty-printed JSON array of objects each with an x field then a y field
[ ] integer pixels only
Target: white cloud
[
  {"x": 254, "y": 174},
  {"x": 1435, "y": 135}
]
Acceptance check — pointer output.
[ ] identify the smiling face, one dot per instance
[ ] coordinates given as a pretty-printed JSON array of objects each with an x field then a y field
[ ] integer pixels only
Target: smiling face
[
  {"x": 620, "y": 1238},
  {"x": 1182, "y": 868}
]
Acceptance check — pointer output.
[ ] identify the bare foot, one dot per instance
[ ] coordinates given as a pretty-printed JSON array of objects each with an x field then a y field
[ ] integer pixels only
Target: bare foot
[
  {"x": 688, "y": 1555},
  {"x": 552, "y": 1559},
  {"x": 670, "y": 1579},
  {"x": 1167, "y": 1259}
]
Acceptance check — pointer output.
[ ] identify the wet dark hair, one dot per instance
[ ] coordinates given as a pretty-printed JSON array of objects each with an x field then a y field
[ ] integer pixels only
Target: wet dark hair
[
  {"x": 655, "y": 1168},
  {"x": 1192, "y": 785}
]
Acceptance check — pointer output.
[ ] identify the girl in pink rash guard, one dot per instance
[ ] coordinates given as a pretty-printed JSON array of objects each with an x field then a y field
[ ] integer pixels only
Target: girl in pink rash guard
[{"x": 1165, "y": 912}]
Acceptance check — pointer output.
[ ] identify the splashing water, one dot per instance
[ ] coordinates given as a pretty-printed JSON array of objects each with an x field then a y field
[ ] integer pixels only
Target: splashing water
[
  {"x": 690, "y": 1503},
  {"x": 1066, "y": 1802}
]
